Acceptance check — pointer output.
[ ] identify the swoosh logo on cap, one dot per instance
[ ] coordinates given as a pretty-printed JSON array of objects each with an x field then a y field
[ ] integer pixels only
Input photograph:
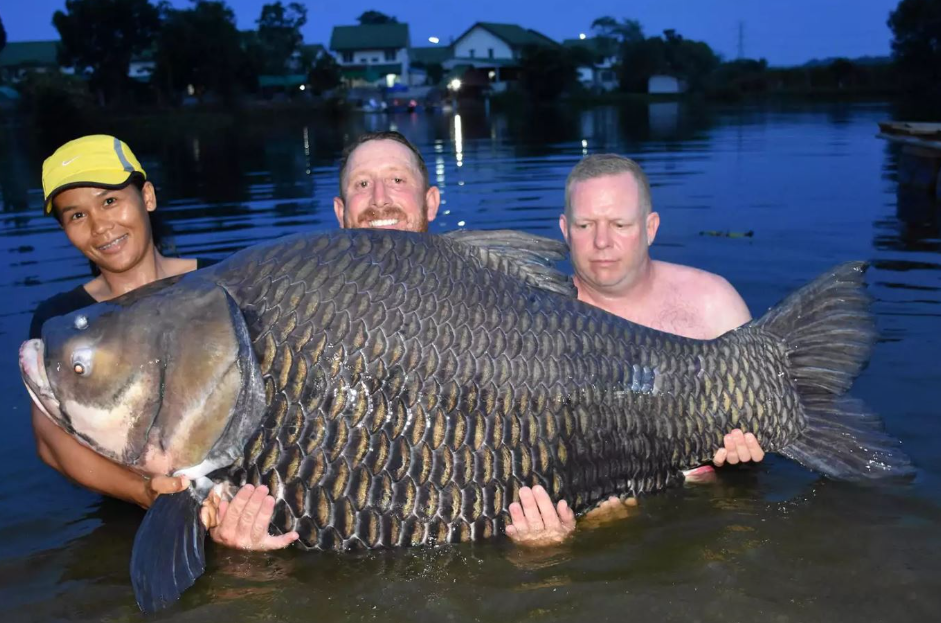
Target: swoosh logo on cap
[{"x": 66, "y": 163}]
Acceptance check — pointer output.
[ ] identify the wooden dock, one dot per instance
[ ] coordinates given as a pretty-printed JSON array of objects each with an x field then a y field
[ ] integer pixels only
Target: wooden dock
[{"x": 920, "y": 158}]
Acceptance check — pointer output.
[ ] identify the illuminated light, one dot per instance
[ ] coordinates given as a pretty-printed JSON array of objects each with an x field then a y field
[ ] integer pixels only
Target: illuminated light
[
  {"x": 455, "y": 85},
  {"x": 582, "y": 36},
  {"x": 303, "y": 86},
  {"x": 492, "y": 74},
  {"x": 390, "y": 80},
  {"x": 446, "y": 212},
  {"x": 461, "y": 223},
  {"x": 584, "y": 143},
  {"x": 433, "y": 39},
  {"x": 458, "y": 140},
  {"x": 190, "y": 89}
]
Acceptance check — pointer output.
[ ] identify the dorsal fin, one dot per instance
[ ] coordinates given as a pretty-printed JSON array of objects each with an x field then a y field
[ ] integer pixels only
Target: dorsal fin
[{"x": 527, "y": 257}]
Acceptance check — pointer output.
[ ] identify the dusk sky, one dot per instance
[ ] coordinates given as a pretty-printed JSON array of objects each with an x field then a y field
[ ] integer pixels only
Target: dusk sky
[{"x": 786, "y": 32}]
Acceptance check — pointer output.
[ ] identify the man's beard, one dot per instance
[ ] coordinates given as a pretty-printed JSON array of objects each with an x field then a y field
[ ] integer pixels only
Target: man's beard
[{"x": 371, "y": 215}]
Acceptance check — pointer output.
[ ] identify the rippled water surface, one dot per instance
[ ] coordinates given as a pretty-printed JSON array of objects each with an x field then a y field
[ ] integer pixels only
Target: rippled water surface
[{"x": 771, "y": 543}]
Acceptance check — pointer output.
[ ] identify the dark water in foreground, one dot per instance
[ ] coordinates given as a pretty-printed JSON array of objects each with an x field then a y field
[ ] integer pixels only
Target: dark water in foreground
[{"x": 773, "y": 543}]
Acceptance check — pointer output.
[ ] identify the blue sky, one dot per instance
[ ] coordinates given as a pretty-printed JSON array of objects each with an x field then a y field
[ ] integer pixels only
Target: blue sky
[{"x": 786, "y": 32}]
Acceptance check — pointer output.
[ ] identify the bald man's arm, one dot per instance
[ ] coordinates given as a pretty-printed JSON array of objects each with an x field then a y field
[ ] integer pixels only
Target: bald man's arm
[{"x": 725, "y": 307}]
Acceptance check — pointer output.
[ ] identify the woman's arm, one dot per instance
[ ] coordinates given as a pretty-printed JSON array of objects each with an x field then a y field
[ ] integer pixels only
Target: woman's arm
[{"x": 63, "y": 453}]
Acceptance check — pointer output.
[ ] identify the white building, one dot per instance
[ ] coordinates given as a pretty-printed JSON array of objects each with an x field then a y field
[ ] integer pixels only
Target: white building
[{"x": 372, "y": 54}]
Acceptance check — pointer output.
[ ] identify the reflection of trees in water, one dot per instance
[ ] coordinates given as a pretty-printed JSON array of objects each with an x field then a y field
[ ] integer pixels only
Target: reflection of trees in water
[{"x": 917, "y": 223}]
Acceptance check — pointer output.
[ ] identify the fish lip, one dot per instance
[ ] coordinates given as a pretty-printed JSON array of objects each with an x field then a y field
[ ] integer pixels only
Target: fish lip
[{"x": 33, "y": 370}]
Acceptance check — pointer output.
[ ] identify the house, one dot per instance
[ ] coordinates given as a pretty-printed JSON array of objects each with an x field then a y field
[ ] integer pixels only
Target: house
[
  {"x": 142, "y": 66},
  {"x": 491, "y": 52},
  {"x": 599, "y": 75},
  {"x": 21, "y": 57},
  {"x": 426, "y": 64},
  {"x": 372, "y": 54},
  {"x": 662, "y": 84}
]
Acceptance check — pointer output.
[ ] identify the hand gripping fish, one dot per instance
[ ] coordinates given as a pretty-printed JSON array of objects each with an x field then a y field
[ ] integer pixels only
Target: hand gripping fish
[{"x": 398, "y": 389}]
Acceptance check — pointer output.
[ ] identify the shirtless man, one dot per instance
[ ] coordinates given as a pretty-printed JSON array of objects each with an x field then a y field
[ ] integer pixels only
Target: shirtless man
[{"x": 609, "y": 225}]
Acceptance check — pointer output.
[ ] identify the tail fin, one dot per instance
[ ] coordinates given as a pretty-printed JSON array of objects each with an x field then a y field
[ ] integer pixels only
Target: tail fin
[{"x": 829, "y": 333}]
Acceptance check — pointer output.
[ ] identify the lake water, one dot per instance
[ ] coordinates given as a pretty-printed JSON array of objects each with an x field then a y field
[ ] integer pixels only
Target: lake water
[{"x": 771, "y": 543}]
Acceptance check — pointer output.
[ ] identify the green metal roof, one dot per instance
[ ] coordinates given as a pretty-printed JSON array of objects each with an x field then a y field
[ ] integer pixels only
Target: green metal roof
[
  {"x": 515, "y": 36},
  {"x": 290, "y": 80},
  {"x": 430, "y": 54},
  {"x": 29, "y": 53},
  {"x": 369, "y": 37}
]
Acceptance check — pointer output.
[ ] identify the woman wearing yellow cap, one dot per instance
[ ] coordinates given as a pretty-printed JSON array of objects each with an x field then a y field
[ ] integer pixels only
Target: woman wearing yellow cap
[{"x": 99, "y": 193}]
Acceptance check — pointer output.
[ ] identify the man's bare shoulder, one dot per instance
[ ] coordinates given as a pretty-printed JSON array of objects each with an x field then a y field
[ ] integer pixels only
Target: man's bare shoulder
[{"x": 719, "y": 304}]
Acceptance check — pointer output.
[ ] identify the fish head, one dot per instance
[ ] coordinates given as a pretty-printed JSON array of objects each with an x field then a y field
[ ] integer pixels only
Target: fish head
[{"x": 162, "y": 379}]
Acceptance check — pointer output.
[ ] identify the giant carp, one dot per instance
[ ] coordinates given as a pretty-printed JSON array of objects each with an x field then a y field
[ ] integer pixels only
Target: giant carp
[{"x": 397, "y": 389}]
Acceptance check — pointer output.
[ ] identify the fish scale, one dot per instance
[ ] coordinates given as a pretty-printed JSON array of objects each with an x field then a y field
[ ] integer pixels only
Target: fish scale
[{"x": 545, "y": 392}]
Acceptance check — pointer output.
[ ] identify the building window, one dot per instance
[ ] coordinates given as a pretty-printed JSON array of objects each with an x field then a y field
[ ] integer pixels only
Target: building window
[
  {"x": 390, "y": 55},
  {"x": 347, "y": 57},
  {"x": 489, "y": 52},
  {"x": 375, "y": 59},
  {"x": 473, "y": 53}
]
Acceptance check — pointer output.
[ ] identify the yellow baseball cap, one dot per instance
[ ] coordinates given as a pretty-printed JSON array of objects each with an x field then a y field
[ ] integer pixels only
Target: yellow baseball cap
[{"x": 98, "y": 160}]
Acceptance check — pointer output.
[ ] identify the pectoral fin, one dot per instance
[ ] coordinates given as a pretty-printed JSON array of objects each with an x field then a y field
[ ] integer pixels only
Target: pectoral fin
[{"x": 169, "y": 551}]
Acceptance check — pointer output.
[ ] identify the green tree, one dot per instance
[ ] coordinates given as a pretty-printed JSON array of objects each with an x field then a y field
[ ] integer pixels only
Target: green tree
[
  {"x": 279, "y": 35},
  {"x": 690, "y": 60},
  {"x": 639, "y": 61},
  {"x": 103, "y": 36},
  {"x": 375, "y": 17},
  {"x": 547, "y": 71},
  {"x": 916, "y": 45},
  {"x": 200, "y": 47},
  {"x": 625, "y": 31},
  {"x": 324, "y": 75}
]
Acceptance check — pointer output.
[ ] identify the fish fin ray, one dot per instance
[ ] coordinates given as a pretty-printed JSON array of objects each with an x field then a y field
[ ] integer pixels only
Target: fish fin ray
[
  {"x": 844, "y": 440},
  {"x": 828, "y": 332},
  {"x": 521, "y": 255},
  {"x": 169, "y": 551}
]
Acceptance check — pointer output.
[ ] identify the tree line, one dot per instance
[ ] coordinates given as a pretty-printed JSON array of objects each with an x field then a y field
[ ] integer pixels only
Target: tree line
[{"x": 915, "y": 65}]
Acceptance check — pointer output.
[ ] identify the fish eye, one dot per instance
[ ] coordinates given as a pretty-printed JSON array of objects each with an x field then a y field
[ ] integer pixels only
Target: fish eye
[{"x": 82, "y": 361}]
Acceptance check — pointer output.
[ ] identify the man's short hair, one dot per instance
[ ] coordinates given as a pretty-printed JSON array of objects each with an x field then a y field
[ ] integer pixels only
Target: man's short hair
[
  {"x": 388, "y": 135},
  {"x": 603, "y": 165}
]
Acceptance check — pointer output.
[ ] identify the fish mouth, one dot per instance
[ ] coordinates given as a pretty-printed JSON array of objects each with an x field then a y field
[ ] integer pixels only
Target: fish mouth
[
  {"x": 37, "y": 382},
  {"x": 113, "y": 245}
]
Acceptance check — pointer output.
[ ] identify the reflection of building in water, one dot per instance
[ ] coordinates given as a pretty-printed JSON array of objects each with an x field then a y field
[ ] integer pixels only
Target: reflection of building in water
[
  {"x": 458, "y": 141},
  {"x": 663, "y": 118}
]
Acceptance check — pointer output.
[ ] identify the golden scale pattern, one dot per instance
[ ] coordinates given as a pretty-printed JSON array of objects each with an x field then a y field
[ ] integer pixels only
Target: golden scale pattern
[{"x": 412, "y": 391}]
